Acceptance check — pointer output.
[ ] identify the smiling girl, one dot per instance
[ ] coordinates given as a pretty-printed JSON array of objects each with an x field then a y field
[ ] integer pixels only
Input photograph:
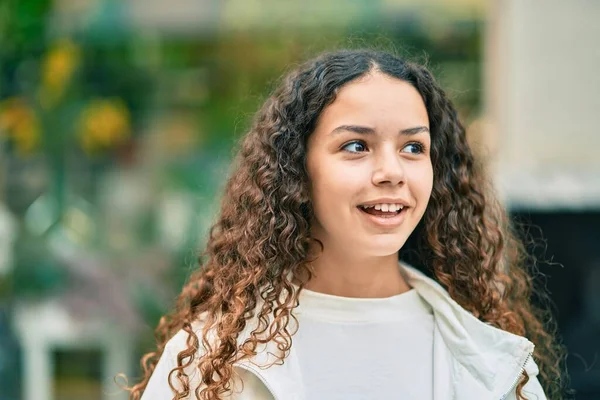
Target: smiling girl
[{"x": 357, "y": 160}]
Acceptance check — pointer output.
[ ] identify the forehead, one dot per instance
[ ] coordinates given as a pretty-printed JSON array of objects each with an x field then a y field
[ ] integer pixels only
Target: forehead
[{"x": 377, "y": 100}]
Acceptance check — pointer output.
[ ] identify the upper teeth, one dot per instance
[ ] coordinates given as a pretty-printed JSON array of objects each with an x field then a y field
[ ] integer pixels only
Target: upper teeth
[{"x": 385, "y": 207}]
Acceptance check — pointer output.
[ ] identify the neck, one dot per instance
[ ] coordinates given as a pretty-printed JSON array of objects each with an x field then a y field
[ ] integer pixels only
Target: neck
[{"x": 341, "y": 273}]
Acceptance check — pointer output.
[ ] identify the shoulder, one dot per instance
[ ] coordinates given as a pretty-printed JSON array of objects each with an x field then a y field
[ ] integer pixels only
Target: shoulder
[
  {"x": 179, "y": 341},
  {"x": 159, "y": 385}
]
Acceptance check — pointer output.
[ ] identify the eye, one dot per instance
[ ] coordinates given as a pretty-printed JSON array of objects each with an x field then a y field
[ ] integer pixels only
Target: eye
[
  {"x": 415, "y": 148},
  {"x": 358, "y": 146}
]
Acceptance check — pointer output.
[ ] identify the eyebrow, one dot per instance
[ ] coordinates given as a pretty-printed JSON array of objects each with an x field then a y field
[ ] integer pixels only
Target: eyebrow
[{"x": 365, "y": 130}]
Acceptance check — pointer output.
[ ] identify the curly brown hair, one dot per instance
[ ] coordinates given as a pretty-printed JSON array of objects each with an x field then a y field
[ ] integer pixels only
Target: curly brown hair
[{"x": 261, "y": 238}]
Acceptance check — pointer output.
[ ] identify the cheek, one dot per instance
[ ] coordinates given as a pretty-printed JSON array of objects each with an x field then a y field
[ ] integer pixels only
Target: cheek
[
  {"x": 333, "y": 183},
  {"x": 334, "y": 189},
  {"x": 421, "y": 182}
]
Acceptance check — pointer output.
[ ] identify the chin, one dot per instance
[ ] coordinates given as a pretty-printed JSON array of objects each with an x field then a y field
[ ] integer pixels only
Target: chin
[{"x": 385, "y": 247}]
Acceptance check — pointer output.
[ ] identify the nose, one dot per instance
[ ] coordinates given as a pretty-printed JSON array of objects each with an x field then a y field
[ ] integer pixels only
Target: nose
[{"x": 388, "y": 169}]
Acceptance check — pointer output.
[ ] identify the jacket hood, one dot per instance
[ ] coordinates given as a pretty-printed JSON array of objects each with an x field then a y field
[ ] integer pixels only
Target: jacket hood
[{"x": 490, "y": 354}]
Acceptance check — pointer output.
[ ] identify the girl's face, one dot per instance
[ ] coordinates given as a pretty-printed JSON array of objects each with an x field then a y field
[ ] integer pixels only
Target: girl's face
[{"x": 370, "y": 147}]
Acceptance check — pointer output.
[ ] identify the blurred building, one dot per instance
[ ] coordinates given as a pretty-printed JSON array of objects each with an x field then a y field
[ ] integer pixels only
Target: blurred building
[
  {"x": 542, "y": 63},
  {"x": 541, "y": 76}
]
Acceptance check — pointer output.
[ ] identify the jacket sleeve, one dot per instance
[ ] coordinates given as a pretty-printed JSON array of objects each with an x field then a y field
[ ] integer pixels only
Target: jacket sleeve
[
  {"x": 533, "y": 389},
  {"x": 158, "y": 386}
]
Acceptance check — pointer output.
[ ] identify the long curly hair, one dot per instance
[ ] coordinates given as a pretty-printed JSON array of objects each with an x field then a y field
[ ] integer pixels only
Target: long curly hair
[{"x": 261, "y": 238}]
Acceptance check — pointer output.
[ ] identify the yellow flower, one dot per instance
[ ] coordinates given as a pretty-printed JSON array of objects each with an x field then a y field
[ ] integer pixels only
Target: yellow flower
[
  {"x": 20, "y": 123},
  {"x": 104, "y": 123},
  {"x": 58, "y": 68}
]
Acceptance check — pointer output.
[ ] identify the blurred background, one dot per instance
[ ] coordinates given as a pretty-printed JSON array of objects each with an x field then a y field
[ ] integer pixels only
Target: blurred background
[{"x": 117, "y": 121}]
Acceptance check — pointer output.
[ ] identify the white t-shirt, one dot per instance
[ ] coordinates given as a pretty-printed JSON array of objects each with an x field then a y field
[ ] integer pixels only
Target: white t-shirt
[{"x": 355, "y": 348}]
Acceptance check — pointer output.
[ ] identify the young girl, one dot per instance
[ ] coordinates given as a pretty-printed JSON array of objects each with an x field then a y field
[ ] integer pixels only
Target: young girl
[{"x": 357, "y": 161}]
